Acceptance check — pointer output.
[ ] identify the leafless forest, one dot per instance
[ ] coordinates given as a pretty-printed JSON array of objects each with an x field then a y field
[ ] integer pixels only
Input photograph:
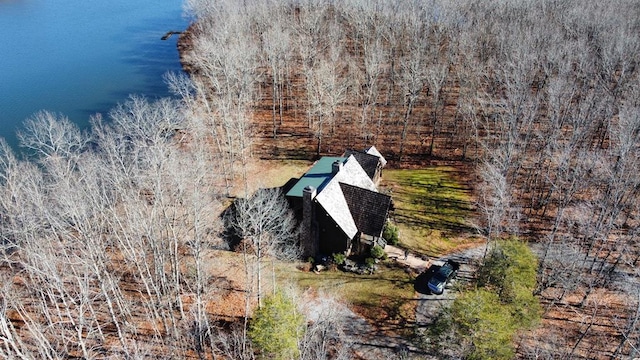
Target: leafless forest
[
  {"x": 540, "y": 97},
  {"x": 108, "y": 236}
]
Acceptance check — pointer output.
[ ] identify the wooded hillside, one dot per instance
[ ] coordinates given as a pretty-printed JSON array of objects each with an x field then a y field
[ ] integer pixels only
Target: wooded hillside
[
  {"x": 542, "y": 97},
  {"x": 108, "y": 237}
]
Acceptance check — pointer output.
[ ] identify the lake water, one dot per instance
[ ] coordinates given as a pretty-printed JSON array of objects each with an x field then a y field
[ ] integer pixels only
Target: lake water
[{"x": 79, "y": 57}]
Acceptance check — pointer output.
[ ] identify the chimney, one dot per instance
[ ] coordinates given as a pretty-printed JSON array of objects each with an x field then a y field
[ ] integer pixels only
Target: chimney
[
  {"x": 309, "y": 233},
  {"x": 336, "y": 167}
]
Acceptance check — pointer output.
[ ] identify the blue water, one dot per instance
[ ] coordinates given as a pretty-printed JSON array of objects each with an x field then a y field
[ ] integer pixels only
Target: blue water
[{"x": 79, "y": 57}]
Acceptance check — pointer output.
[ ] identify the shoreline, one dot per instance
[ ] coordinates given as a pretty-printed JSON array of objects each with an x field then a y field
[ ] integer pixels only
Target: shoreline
[{"x": 184, "y": 45}]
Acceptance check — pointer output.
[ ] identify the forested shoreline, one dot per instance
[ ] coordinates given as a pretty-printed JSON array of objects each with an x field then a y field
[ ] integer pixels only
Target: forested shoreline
[{"x": 108, "y": 235}]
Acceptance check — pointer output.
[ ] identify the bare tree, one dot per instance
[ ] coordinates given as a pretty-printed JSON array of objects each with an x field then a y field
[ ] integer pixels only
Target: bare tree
[
  {"x": 268, "y": 228},
  {"x": 325, "y": 332},
  {"x": 628, "y": 325},
  {"x": 328, "y": 89},
  {"x": 436, "y": 78},
  {"x": 413, "y": 74},
  {"x": 49, "y": 135},
  {"x": 496, "y": 205},
  {"x": 226, "y": 56},
  {"x": 277, "y": 47}
]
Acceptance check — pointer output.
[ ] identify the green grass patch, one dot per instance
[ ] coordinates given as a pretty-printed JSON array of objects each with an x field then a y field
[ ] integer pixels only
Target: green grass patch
[
  {"x": 432, "y": 208},
  {"x": 274, "y": 173},
  {"x": 385, "y": 297}
]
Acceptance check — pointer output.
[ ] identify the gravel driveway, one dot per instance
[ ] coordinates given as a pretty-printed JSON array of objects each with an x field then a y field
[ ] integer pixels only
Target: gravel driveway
[{"x": 429, "y": 304}]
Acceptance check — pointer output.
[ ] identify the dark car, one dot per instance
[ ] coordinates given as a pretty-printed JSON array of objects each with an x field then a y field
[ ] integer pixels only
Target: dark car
[{"x": 442, "y": 276}]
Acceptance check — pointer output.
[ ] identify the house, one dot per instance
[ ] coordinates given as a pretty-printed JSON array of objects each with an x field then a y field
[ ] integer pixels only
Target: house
[{"x": 339, "y": 206}]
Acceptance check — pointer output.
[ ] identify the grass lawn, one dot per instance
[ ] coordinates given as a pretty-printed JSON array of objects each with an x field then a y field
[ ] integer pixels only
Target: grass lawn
[
  {"x": 432, "y": 208},
  {"x": 387, "y": 297},
  {"x": 275, "y": 173}
]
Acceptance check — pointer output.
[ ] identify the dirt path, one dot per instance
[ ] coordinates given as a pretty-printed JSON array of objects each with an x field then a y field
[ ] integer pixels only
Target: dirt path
[{"x": 419, "y": 263}]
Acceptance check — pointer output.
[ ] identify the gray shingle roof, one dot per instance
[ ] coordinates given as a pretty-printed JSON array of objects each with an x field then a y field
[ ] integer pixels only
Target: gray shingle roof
[
  {"x": 373, "y": 151},
  {"x": 368, "y": 208},
  {"x": 332, "y": 199},
  {"x": 368, "y": 162}
]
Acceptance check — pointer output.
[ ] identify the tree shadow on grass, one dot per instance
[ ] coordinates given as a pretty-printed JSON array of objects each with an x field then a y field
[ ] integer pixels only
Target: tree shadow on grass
[
  {"x": 419, "y": 221},
  {"x": 432, "y": 199}
]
